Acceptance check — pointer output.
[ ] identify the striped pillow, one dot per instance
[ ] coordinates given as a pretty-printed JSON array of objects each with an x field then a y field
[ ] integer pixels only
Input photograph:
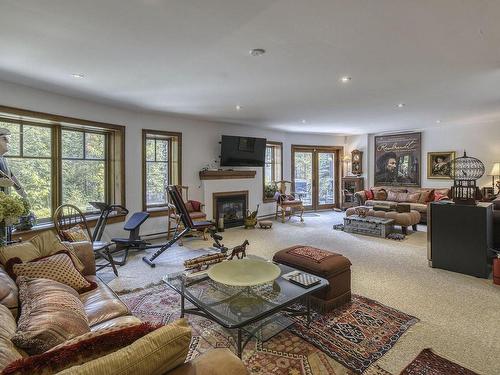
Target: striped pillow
[{"x": 51, "y": 313}]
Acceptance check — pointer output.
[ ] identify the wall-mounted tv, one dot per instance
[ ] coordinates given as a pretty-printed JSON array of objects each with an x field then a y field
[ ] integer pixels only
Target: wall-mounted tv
[{"x": 242, "y": 151}]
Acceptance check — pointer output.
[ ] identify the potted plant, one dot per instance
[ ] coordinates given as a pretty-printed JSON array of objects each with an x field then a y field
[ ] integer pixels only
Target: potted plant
[
  {"x": 11, "y": 208},
  {"x": 269, "y": 190}
]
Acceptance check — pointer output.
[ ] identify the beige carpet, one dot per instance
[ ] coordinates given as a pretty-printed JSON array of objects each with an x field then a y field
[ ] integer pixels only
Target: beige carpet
[{"x": 460, "y": 315}]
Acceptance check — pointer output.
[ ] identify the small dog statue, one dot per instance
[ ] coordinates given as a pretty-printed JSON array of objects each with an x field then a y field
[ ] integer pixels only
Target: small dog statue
[{"x": 239, "y": 251}]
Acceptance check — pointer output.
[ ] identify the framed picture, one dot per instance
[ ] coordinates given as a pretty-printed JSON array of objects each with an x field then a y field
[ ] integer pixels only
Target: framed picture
[
  {"x": 439, "y": 164},
  {"x": 398, "y": 159}
]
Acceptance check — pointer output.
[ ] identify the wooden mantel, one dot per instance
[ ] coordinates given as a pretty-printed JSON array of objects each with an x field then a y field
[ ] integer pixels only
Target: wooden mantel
[{"x": 226, "y": 175}]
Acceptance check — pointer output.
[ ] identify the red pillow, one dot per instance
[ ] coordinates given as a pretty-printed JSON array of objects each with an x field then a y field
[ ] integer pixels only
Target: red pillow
[
  {"x": 195, "y": 204},
  {"x": 74, "y": 354},
  {"x": 439, "y": 196},
  {"x": 369, "y": 194}
]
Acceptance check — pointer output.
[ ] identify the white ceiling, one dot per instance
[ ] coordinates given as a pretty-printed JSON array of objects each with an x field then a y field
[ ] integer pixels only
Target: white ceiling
[{"x": 190, "y": 57}]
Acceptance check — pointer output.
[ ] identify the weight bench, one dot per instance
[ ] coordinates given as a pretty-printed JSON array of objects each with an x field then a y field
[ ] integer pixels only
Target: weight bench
[
  {"x": 134, "y": 240},
  {"x": 189, "y": 224}
]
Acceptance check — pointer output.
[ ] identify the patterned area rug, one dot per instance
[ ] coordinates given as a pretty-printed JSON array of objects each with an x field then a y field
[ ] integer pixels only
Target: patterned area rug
[
  {"x": 363, "y": 329},
  {"x": 429, "y": 363},
  {"x": 358, "y": 333}
]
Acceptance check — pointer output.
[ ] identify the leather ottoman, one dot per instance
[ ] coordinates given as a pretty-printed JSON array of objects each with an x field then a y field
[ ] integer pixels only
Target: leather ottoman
[{"x": 334, "y": 267}]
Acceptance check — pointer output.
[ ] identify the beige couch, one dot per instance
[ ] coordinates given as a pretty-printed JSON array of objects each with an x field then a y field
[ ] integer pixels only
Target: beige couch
[
  {"x": 420, "y": 204},
  {"x": 150, "y": 354}
]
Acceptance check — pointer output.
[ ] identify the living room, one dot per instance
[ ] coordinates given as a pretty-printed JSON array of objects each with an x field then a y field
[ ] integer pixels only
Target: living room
[{"x": 336, "y": 91}]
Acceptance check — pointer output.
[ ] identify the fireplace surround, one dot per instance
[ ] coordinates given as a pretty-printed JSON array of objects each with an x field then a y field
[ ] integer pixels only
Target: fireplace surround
[{"x": 231, "y": 205}]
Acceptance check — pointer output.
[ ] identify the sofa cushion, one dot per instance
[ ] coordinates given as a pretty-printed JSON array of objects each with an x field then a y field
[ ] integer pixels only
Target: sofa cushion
[
  {"x": 58, "y": 267},
  {"x": 51, "y": 313},
  {"x": 119, "y": 321},
  {"x": 102, "y": 304},
  {"x": 418, "y": 207},
  {"x": 198, "y": 215},
  {"x": 154, "y": 354},
  {"x": 8, "y": 292},
  {"x": 392, "y": 195},
  {"x": 79, "y": 350},
  {"x": 379, "y": 194},
  {"x": 8, "y": 352},
  {"x": 412, "y": 197}
]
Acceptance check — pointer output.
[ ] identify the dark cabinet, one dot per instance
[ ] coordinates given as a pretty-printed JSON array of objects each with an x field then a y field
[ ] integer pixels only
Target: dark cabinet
[
  {"x": 460, "y": 238},
  {"x": 350, "y": 185}
]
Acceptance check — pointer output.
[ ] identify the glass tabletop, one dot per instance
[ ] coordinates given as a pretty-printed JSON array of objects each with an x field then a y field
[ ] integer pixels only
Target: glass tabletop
[{"x": 234, "y": 307}]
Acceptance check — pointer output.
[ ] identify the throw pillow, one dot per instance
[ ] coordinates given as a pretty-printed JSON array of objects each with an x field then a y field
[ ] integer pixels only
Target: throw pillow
[
  {"x": 75, "y": 234},
  {"x": 51, "y": 313},
  {"x": 392, "y": 196},
  {"x": 196, "y": 205},
  {"x": 189, "y": 207},
  {"x": 439, "y": 197},
  {"x": 156, "y": 353},
  {"x": 379, "y": 194},
  {"x": 369, "y": 194},
  {"x": 58, "y": 267},
  {"x": 413, "y": 197},
  {"x": 81, "y": 349},
  {"x": 425, "y": 196}
]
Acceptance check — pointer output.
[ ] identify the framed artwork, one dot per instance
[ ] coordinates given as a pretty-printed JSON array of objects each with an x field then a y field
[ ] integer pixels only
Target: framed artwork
[
  {"x": 357, "y": 162},
  {"x": 439, "y": 164},
  {"x": 398, "y": 159}
]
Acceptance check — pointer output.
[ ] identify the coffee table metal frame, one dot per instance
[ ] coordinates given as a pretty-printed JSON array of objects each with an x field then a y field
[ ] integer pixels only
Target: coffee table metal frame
[{"x": 181, "y": 284}]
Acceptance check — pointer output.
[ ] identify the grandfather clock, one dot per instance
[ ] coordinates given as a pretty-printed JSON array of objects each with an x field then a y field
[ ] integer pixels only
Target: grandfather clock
[{"x": 357, "y": 162}]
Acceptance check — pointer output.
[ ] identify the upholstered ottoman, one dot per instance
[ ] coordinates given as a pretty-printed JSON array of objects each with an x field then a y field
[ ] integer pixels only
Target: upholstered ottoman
[
  {"x": 404, "y": 219},
  {"x": 334, "y": 267}
]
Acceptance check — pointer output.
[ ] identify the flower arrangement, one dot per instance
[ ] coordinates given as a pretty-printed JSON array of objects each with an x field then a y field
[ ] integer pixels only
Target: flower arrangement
[{"x": 11, "y": 208}]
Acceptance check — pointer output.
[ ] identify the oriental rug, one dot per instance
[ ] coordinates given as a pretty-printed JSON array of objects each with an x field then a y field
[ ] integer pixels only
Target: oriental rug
[
  {"x": 429, "y": 363},
  {"x": 371, "y": 331}
]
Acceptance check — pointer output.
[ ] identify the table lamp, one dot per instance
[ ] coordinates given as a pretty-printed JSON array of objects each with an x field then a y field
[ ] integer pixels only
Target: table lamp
[{"x": 495, "y": 172}]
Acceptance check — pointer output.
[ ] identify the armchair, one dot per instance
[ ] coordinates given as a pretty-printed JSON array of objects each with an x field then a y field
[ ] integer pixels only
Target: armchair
[{"x": 287, "y": 202}]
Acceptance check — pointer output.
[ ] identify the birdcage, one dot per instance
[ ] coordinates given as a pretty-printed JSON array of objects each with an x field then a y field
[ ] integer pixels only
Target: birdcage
[{"x": 465, "y": 171}]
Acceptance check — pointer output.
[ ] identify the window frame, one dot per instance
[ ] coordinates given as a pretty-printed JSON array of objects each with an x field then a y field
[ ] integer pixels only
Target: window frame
[
  {"x": 114, "y": 151},
  {"x": 161, "y": 209},
  {"x": 276, "y": 146}
]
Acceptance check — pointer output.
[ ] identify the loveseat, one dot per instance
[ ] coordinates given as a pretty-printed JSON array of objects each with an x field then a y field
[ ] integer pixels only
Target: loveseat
[
  {"x": 389, "y": 196},
  {"x": 162, "y": 351}
]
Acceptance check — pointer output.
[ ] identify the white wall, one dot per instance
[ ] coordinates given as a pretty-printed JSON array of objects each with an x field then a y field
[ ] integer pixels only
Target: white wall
[
  {"x": 480, "y": 140},
  {"x": 199, "y": 141},
  {"x": 359, "y": 142}
]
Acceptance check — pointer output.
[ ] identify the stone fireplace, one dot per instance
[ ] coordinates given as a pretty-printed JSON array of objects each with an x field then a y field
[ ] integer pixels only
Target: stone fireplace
[{"x": 231, "y": 205}]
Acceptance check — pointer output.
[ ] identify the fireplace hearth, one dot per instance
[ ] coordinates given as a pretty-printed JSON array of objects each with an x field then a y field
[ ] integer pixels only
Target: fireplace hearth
[{"x": 232, "y": 206}]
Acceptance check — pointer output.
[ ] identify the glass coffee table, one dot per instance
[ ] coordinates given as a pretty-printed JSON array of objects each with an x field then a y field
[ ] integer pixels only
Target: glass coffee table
[{"x": 260, "y": 311}]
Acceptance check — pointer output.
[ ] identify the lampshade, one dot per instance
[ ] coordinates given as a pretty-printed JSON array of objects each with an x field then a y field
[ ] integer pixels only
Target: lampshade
[
  {"x": 347, "y": 158},
  {"x": 495, "y": 171}
]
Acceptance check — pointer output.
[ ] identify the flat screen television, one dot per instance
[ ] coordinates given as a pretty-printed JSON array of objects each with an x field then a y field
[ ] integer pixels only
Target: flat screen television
[{"x": 242, "y": 151}]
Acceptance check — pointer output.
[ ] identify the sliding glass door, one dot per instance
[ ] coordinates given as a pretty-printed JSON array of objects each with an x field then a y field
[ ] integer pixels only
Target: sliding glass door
[{"x": 315, "y": 173}]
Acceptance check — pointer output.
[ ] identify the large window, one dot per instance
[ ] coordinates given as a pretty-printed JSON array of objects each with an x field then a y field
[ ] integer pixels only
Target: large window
[
  {"x": 84, "y": 167},
  {"x": 273, "y": 169},
  {"x": 59, "y": 160},
  {"x": 161, "y": 166}
]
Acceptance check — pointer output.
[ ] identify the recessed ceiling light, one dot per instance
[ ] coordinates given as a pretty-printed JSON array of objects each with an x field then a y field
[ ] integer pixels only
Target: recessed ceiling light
[
  {"x": 438, "y": 121},
  {"x": 257, "y": 51},
  {"x": 303, "y": 121},
  {"x": 401, "y": 105},
  {"x": 78, "y": 75},
  {"x": 345, "y": 79},
  {"x": 238, "y": 107}
]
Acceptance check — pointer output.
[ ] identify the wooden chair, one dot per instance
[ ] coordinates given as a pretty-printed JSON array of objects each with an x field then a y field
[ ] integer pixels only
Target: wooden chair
[
  {"x": 194, "y": 208},
  {"x": 287, "y": 202},
  {"x": 68, "y": 216}
]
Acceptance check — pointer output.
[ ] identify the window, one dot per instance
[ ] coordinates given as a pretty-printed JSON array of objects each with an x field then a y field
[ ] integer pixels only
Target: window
[
  {"x": 30, "y": 159},
  {"x": 84, "y": 168},
  {"x": 59, "y": 160},
  {"x": 161, "y": 166},
  {"x": 273, "y": 169}
]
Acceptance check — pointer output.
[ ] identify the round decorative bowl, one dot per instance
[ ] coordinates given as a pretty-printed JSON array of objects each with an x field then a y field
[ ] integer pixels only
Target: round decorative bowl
[{"x": 244, "y": 272}]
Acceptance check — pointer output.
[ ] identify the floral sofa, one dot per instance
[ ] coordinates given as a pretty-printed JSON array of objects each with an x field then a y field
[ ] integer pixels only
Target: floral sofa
[
  {"x": 417, "y": 198},
  {"x": 153, "y": 349}
]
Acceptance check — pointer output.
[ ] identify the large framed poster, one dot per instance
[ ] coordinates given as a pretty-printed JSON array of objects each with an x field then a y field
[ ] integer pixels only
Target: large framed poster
[{"x": 398, "y": 159}]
